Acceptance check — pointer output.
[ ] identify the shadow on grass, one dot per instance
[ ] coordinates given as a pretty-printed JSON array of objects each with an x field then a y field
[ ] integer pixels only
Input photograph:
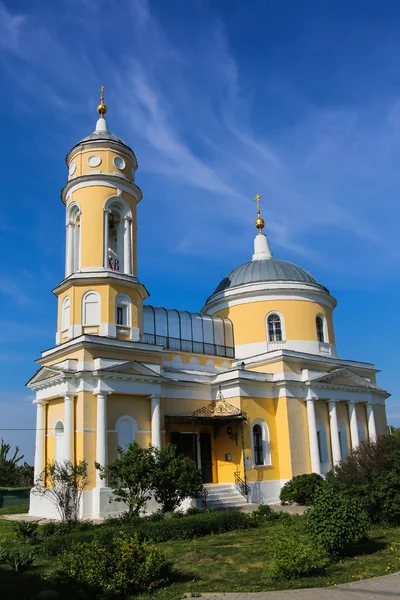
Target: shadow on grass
[{"x": 367, "y": 546}]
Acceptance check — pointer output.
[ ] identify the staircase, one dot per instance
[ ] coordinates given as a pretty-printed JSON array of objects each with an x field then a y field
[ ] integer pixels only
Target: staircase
[{"x": 222, "y": 496}]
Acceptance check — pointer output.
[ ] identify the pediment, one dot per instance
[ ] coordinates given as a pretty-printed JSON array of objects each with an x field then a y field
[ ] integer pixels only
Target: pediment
[
  {"x": 44, "y": 374},
  {"x": 344, "y": 377},
  {"x": 131, "y": 367}
]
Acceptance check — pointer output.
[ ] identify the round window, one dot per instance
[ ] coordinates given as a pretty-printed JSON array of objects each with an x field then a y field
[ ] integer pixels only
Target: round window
[
  {"x": 72, "y": 168},
  {"x": 94, "y": 160},
  {"x": 119, "y": 162}
]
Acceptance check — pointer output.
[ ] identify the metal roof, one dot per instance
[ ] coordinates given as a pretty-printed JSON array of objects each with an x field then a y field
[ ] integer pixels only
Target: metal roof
[{"x": 270, "y": 269}]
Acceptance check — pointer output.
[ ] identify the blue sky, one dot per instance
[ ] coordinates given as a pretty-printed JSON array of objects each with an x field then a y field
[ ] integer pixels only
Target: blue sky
[{"x": 296, "y": 101}]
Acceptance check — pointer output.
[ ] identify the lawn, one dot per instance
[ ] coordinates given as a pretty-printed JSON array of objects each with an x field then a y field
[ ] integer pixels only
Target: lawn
[
  {"x": 228, "y": 562},
  {"x": 18, "y": 509}
]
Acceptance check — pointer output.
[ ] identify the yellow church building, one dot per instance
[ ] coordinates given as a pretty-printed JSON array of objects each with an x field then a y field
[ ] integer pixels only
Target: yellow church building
[{"x": 251, "y": 387}]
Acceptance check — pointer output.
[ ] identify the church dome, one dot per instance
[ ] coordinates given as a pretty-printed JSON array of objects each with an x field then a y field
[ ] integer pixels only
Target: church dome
[{"x": 267, "y": 269}]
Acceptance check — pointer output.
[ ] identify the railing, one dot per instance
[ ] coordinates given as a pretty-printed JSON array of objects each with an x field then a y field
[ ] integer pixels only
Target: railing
[
  {"x": 177, "y": 344},
  {"x": 271, "y": 346},
  {"x": 203, "y": 495},
  {"x": 241, "y": 485}
]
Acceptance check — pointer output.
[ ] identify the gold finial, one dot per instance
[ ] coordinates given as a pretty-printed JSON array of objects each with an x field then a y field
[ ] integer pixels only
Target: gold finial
[
  {"x": 259, "y": 221},
  {"x": 102, "y": 108}
]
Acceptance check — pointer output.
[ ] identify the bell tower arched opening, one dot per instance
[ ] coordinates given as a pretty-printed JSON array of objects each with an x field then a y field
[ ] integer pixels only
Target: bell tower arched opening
[{"x": 118, "y": 236}]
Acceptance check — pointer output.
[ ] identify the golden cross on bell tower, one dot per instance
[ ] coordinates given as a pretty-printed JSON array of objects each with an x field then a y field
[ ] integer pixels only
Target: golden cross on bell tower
[
  {"x": 259, "y": 221},
  {"x": 102, "y": 108}
]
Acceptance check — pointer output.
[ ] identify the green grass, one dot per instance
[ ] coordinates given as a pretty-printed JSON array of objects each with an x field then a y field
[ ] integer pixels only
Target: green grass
[
  {"x": 229, "y": 562},
  {"x": 18, "y": 509}
]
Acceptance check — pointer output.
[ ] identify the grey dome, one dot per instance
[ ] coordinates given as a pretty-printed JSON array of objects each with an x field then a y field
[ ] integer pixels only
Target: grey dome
[
  {"x": 270, "y": 269},
  {"x": 106, "y": 136}
]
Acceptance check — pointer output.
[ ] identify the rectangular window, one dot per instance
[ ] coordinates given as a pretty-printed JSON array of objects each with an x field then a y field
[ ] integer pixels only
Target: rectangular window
[
  {"x": 120, "y": 315},
  {"x": 319, "y": 446}
]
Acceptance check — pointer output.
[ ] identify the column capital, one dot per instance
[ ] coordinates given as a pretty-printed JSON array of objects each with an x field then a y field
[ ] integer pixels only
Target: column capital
[
  {"x": 107, "y": 211},
  {"x": 155, "y": 397},
  {"x": 98, "y": 392},
  {"x": 40, "y": 402},
  {"x": 127, "y": 218},
  {"x": 68, "y": 396},
  {"x": 310, "y": 396}
]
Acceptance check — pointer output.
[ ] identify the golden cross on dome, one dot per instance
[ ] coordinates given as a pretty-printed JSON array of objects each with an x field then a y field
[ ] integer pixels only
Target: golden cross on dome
[
  {"x": 102, "y": 93},
  {"x": 259, "y": 221},
  {"x": 257, "y": 200},
  {"x": 102, "y": 108}
]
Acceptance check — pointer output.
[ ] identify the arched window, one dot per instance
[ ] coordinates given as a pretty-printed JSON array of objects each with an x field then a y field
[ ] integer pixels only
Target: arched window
[
  {"x": 260, "y": 443},
  {"x": 65, "y": 313},
  {"x": 118, "y": 236},
  {"x": 59, "y": 442},
  {"x": 320, "y": 329},
  {"x": 126, "y": 428},
  {"x": 73, "y": 245},
  {"x": 123, "y": 310},
  {"x": 91, "y": 309},
  {"x": 274, "y": 327}
]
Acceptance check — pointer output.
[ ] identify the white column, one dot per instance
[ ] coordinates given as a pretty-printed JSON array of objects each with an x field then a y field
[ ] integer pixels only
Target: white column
[
  {"x": 105, "y": 258},
  {"x": 68, "y": 426},
  {"x": 40, "y": 439},
  {"x": 353, "y": 425},
  {"x": 371, "y": 422},
  {"x": 128, "y": 246},
  {"x": 312, "y": 436},
  {"x": 69, "y": 255},
  {"x": 101, "y": 436},
  {"x": 335, "y": 442},
  {"x": 155, "y": 422}
]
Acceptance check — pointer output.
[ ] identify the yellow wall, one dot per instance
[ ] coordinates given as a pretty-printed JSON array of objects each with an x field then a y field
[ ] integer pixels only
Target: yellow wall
[
  {"x": 299, "y": 315},
  {"x": 380, "y": 419},
  {"x": 106, "y": 166},
  {"x": 298, "y": 433}
]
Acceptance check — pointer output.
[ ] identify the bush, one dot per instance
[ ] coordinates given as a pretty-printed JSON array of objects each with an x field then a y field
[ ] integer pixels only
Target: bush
[
  {"x": 264, "y": 514},
  {"x": 3, "y": 555},
  {"x": 294, "y": 557},
  {"x": 302, "y": 489},
  {"x": 26, "y": 530},
  {"x": 122, "y": 565},
  {"x": 336, "y": 522},
  {"x": 174, "y": 477},
  {"x": 371, "y": 473},
  {"x": 20, "y": 559}
]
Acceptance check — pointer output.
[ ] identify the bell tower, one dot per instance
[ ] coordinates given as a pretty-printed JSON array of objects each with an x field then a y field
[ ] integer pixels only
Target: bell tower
[{"x": 100, "y": 294}]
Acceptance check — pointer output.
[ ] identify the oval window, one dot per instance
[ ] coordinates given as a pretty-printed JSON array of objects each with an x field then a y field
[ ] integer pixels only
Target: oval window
[
  {"x": 119, "y": 162},
  {"x": 94, "y": 160}
]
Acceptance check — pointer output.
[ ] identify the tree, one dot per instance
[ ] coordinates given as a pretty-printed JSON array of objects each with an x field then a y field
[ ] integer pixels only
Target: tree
[
  {"x": 63, "y": 484},
  {"x": 11, "y": 472},
  {"x": 371, "y": 473},
  {"x": 174, "y": 477},
  {"x": 130, "y": 476}
]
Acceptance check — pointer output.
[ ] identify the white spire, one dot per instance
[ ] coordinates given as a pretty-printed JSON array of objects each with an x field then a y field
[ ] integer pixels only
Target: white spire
[
  {"x": 261, "y": 247},
  {"x": 101, "y": 124}
]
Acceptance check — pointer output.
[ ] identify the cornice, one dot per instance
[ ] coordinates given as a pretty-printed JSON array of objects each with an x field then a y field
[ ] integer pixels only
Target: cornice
[
  {"x": 100, "y": 277},
  {"x": 114, "y": 180}
]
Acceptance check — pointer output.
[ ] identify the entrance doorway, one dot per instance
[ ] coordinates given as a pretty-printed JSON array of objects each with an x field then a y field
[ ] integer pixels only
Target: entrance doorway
[{"x": 198, "y": 449}]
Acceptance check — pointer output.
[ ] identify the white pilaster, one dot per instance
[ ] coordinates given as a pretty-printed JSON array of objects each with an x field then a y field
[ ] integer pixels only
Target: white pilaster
[
  {"x": 128, "y": 246},
  {"x": 40, "y": 439},
  {"x": 335, "y": 442},
  {"x": 105, "y": 258},
  {"x": 371, "y": 422},
  {"x": 68, "y": 426},
  {"x": 155, "y": 422},
  {"x": 69, "y": 264},
  {"x": 353, "y": 425},
  {"x": 101, "y": 435},
  {"x": 312, "y": 435}
]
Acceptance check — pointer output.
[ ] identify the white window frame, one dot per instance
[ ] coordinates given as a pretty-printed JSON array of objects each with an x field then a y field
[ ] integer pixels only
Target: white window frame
[
  {"x": 84, "y": 304},
  {"x": 322, "y": 443},
  {"x": 265, "y": 441},
  {"x": 65, "y": 313},
  {"x": 324, "y": 328},
  {"x": 134, "y": 426},
  {"x": 118, "y": 205},
  {"x": 123, "y": 301},
  {"x": 343, "y": 440},
  {"x": 74, "y": 242},
  {"x": 283, "y": 328}
]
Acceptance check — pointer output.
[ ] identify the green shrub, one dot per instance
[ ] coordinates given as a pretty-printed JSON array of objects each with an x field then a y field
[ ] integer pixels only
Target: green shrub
[
  {"x": 26, "y": 530},
  {"x": 301, "y": 489},
  {"x": 3, "y": 555},
  {"x": 20, "y": 559},
  {"x": 371, "y": 473},
  {"x": 264, "y": 514},
  {"x": 294, "y": 557},
  {"x": 336, "y": 522},
  {"x": 122, "y": 565}
]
